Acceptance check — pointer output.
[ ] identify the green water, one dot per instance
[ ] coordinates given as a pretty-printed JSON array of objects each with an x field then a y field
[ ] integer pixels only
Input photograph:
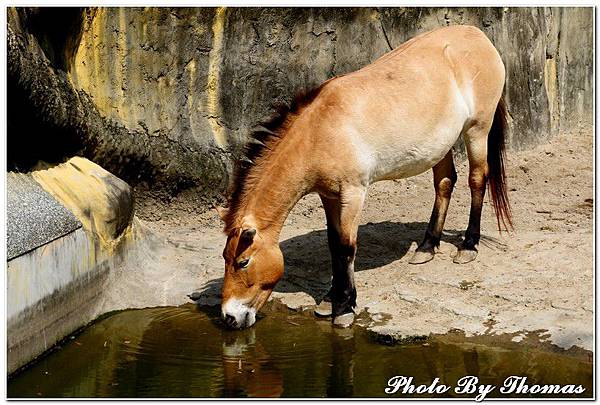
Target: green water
[{"x": 185, "y": 352}]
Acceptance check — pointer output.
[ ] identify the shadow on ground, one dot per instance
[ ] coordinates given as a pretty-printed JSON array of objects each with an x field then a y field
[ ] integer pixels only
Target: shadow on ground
[{"x": 308, "y": 263}]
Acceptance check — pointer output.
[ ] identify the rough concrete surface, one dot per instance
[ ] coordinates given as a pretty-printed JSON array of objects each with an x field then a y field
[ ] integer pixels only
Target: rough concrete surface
[
  {"x": 536, "y": 282},
  {"x": 33, "y": 217}
]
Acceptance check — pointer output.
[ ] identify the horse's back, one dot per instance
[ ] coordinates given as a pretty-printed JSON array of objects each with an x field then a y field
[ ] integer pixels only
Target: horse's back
[
  {"x": 463, "y": 44},
  {"x": 403, "y": 113}
]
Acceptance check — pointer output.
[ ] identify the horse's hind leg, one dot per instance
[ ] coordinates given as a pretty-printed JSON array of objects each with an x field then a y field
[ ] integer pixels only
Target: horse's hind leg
[
  {"x": 444, "y": 178},
  {"x": 476, "y": 143},
  {"x": 342, "y": 229}
]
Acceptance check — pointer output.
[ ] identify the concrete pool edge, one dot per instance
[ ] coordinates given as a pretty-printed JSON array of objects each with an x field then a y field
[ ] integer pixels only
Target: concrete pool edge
[{"x": 55, "y": 286}]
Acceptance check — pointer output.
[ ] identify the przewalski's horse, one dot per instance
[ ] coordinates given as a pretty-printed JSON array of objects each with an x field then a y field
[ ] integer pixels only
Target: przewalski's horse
[{"x": 393, "y": 119}]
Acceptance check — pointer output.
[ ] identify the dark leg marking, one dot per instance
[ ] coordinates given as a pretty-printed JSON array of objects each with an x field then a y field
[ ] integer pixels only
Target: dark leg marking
[
  {"x": 468, "y": 248},
  {"x": 444, "y": 179},
  {"x": 343, "y": 292},
  {"x": 476, "y": 143},
  {"x": 342, "y": 225}
]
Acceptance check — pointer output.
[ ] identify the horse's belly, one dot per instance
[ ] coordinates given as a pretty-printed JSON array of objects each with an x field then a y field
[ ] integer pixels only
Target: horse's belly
[{"x": 402, "y": 155}]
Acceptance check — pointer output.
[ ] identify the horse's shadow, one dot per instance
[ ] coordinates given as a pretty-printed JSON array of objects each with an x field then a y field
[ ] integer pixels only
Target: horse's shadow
[{"x": 308, "y": 262}]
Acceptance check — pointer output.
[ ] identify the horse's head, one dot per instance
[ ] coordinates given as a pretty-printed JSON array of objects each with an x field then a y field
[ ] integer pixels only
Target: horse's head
[{"x": 253, "y": 265}]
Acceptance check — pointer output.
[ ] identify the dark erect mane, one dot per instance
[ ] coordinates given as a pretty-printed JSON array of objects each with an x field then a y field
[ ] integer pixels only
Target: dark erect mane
[{"x": 262, "y": 141}]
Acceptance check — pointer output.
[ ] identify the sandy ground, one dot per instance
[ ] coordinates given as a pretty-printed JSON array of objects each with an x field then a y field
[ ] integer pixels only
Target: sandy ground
[{"x": 537, "y": 281}]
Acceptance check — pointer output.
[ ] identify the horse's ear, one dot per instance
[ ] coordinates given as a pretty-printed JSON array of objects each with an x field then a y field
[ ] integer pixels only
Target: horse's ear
[
  {"x": 248, "y": 235},
  {"x": 222, "y": 212}
]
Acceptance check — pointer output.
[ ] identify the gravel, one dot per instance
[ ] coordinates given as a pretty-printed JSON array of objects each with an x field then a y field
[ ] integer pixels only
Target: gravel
[{"x": 34, "y": 217}]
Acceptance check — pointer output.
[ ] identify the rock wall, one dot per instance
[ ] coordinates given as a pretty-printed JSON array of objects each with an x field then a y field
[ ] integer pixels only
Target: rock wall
[
  {"x": 200, "y": 78},
  {"x": 50, "y": 119}
]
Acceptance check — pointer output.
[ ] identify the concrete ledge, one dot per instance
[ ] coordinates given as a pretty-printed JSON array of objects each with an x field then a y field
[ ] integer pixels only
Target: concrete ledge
[
  {"x": 52, "y": 292},
  {"x": 55, "y": 288}
]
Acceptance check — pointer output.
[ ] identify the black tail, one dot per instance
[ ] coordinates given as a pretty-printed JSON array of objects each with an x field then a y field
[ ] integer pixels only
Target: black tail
[{"x": 496, "y": 176}]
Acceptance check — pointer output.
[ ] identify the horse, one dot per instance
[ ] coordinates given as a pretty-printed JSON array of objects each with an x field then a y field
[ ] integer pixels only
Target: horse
[{"x": 395, "y": 118}]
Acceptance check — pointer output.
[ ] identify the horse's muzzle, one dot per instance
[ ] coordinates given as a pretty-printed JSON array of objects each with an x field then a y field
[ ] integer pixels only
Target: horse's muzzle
[{"x": 237, "y": 315}]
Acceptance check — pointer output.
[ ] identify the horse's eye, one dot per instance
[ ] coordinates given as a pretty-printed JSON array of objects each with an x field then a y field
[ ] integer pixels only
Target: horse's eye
[{"x": 244, "y": 263}]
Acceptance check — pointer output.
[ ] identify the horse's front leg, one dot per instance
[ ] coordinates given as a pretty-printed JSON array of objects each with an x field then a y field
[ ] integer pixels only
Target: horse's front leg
[{"x": 342, "y": 227}]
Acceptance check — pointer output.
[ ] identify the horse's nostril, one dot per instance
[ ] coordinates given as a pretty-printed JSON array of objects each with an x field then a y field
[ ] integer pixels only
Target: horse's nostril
[{"x": 230, "y": 320}]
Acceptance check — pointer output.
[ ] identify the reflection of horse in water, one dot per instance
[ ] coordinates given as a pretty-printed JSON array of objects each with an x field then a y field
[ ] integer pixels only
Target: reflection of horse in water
[
  {"x": 341, "y": 374},
  {"x": 248, "y": 369}
]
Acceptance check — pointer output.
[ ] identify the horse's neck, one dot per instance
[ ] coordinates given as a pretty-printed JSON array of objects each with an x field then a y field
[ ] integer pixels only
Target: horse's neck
[{"x": 282, "y": 179}]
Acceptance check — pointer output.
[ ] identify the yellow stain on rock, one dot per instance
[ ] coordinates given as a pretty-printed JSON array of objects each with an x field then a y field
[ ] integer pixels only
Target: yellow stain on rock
[
  {"x": 96, "y": 70},
  {"x": 120, "y": 66},
  {"x": 213, "y": 81},
  {"x": 551, "y": 86},
  {"x": 191, "y": 69},
  {"x": 101, "y": 201},
  {"x": 90, "y": 68}
]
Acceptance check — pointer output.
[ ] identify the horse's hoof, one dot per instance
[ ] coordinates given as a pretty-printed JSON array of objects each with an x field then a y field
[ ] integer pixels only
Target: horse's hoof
[
  {"x": 465, "y": 256},
  {"x": 324, "y": 309},
  {"x": 344, "y": 321},
  {"x": 420, "y": 257}
]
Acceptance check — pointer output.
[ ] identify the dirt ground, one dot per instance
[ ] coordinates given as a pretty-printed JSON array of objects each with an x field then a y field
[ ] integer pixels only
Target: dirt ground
[{"x": 537, "y": 281}]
